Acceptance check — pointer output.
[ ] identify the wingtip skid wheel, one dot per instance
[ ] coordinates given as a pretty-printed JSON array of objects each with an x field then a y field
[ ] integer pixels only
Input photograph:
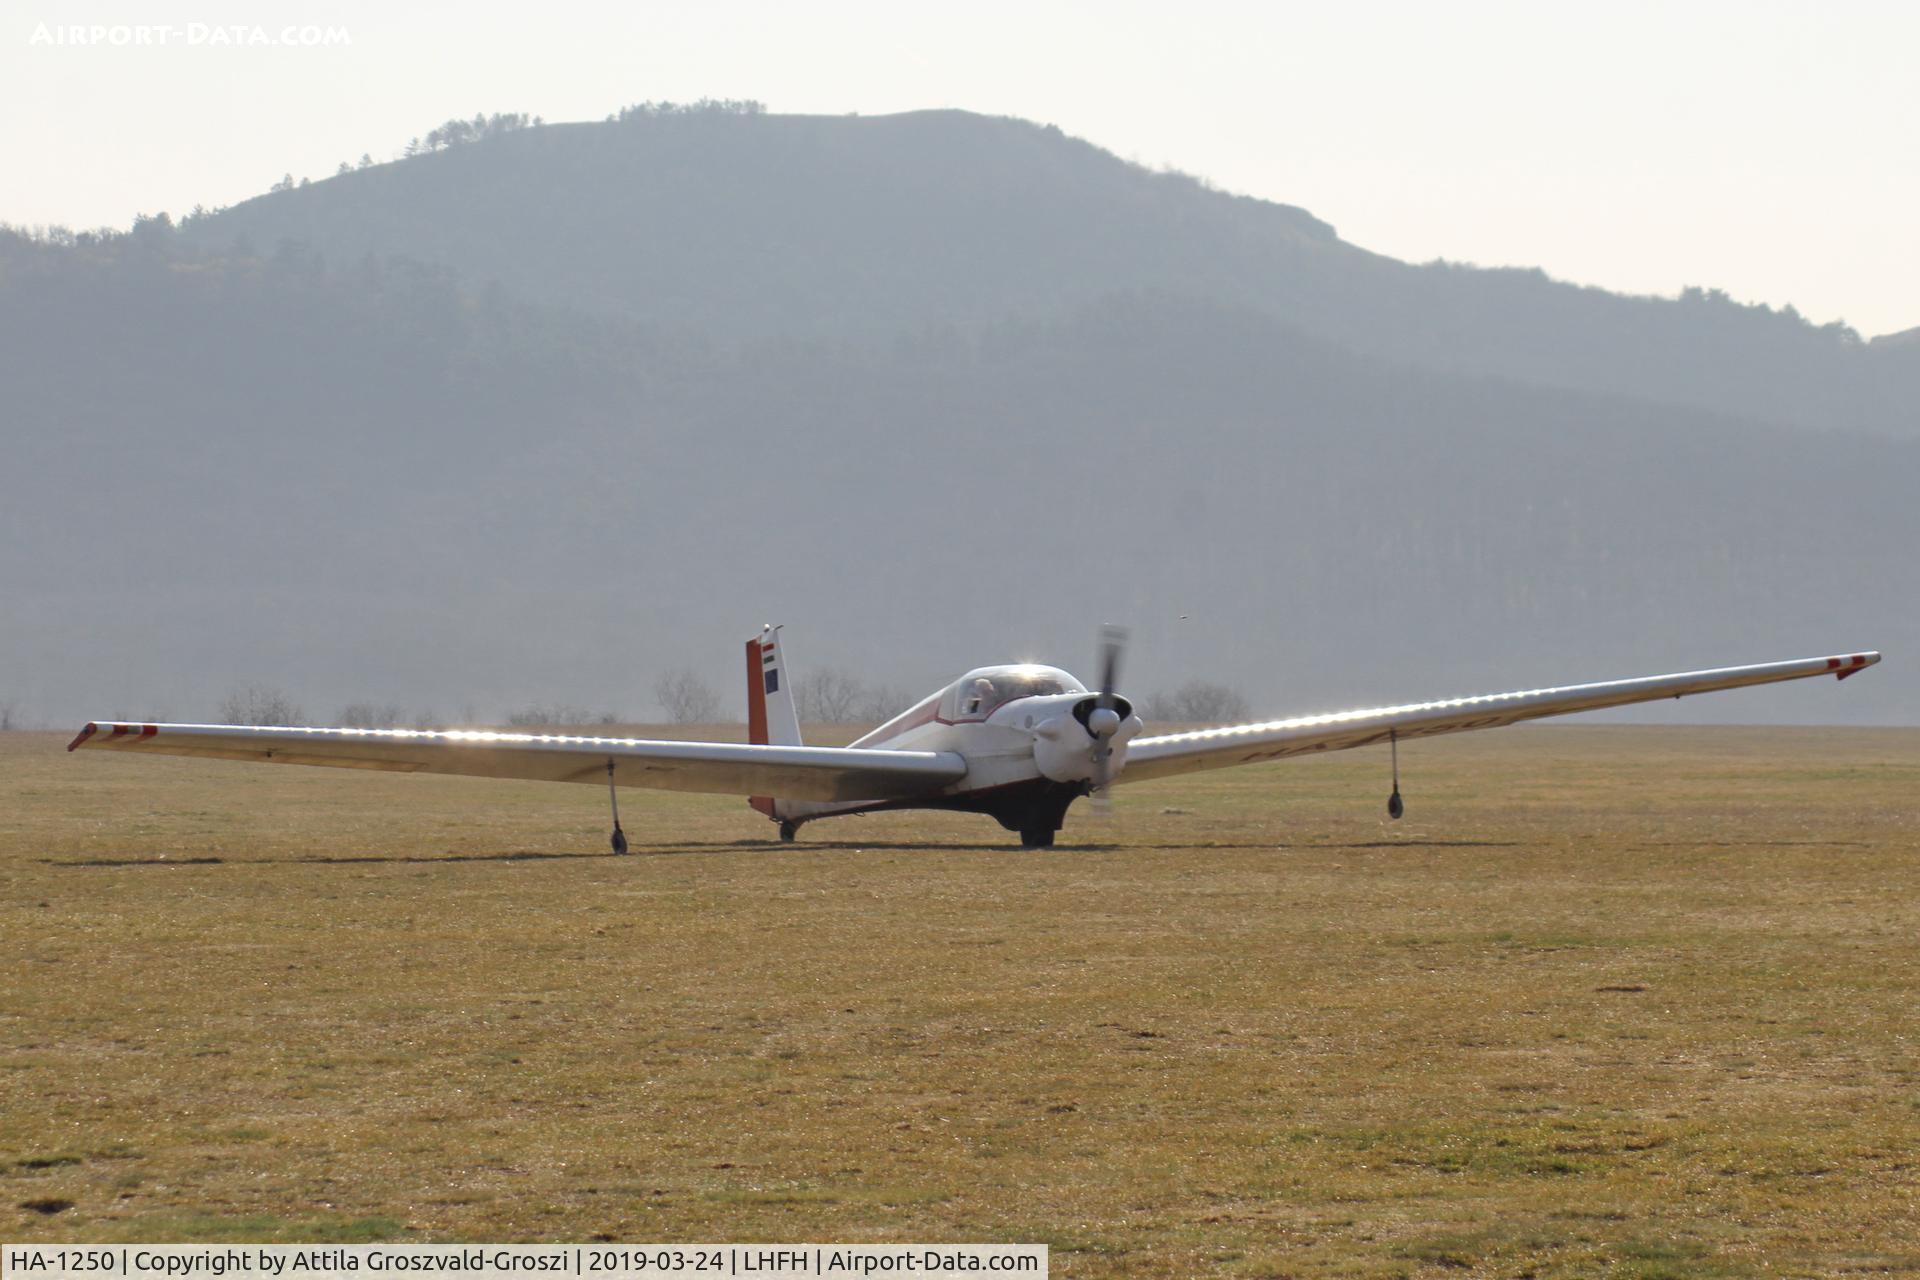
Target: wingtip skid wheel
[
  {"x": 619, "y": 842},
  {"x": 1395, "y": 807}
]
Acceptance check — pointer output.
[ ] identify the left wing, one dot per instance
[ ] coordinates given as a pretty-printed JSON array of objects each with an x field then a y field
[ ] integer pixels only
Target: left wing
[
  {"x": 1176, "y": 753},
  {"x": 725, "y": 768}
]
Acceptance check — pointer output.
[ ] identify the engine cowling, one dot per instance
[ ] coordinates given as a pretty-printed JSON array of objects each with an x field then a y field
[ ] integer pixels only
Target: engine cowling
[{"x": 1064, "y": 744}]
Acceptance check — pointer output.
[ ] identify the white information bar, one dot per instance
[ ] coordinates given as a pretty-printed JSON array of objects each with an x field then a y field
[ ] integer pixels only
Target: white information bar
[{"x": 519, "y": 1261}]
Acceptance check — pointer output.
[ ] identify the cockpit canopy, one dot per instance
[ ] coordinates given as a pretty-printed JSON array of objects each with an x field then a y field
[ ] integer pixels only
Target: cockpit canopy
[{"x": 979, "y": 693}]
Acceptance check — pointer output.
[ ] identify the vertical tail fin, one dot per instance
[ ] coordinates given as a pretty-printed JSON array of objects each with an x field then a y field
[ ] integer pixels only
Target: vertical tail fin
[{"x": 771, "y": 715}]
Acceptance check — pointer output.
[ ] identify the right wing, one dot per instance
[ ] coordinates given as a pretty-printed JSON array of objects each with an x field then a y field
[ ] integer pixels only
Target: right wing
[
  {"x": 1176, "y": 753},
  {"x": 723, "y": 768}
]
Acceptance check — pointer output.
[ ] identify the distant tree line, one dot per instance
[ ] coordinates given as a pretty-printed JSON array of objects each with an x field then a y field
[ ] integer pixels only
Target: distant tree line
[
  {"x": 703, "y": 107},
  {"x": 369, "y": 715},
  {"x": 457, "y": 133},
  {"x": 1197, "y": 702},
  {"x": 558, "y": 715},
  {"x": 834, "y": 696},
  {"x": 454, "y": 133},
  {"x": 829, "y": 696},
  {"x": 260, "y": 704},
  {"x": 264, "y": 704},
  {"x": 686, "y": 698}
]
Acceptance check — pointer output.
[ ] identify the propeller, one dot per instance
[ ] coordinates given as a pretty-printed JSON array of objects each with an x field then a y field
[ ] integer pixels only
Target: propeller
[{"x": 1105, "y": 719}]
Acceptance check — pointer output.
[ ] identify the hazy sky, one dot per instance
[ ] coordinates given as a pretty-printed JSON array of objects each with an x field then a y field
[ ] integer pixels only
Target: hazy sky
[{"x": 1769, "y": 149}]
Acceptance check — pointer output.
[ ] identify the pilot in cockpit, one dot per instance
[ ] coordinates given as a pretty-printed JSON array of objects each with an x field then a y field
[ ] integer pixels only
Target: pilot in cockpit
[{"x": 980, "y": 697}]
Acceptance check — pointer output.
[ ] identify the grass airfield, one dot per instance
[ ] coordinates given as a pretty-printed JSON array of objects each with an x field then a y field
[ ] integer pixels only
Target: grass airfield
[{"x": 1609, "y": 1001}]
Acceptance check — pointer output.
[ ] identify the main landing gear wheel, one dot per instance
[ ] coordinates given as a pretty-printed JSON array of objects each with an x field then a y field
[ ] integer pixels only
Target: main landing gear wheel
[
  {"x": 788, "y": 830},
  {"x": 1037, "y": 838}
]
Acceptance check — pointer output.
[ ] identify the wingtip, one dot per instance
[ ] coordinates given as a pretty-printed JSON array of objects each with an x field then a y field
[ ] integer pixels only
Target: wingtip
[
  {"x": 82, "y": 736},
  {"x": 1852, "y": 664}
]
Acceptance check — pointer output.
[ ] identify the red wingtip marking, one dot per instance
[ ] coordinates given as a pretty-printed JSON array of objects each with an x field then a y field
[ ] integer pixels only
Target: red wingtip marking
[
  {"x": 1833, "y": 664},
  {"x": 83, "y": 735},
  {"x": 1855, "y": 664},
  {"x": 148, "y": 730}
]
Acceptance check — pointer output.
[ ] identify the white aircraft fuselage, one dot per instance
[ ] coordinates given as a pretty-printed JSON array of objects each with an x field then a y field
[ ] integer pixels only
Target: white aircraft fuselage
[{"x": 1029, "y": 735}]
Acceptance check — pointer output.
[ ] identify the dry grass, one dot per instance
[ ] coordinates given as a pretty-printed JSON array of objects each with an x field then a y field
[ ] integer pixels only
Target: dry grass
[{"x": 1610, "y": 1001}]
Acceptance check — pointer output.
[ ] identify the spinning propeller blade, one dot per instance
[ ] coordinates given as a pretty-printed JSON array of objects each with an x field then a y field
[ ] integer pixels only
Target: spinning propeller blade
[{"x": 1105, "y": 720}]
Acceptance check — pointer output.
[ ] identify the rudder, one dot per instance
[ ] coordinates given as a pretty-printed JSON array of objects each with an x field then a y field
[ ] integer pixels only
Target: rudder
[{"x": 772, "y": 719}]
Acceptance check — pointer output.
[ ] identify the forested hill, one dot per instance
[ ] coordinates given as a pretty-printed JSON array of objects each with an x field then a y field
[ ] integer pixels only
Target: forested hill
[
  {"x": 359, "y": 480},
  {"x": 744, "y": 226}
]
